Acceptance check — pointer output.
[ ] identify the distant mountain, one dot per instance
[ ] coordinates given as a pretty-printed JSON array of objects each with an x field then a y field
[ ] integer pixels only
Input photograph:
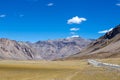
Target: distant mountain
[
  {"x": 107, "y": 46},
  {"x": 10, "y": 49},
  {"x": 53, "y": 49},
  {"x": 41, "y": 50}
]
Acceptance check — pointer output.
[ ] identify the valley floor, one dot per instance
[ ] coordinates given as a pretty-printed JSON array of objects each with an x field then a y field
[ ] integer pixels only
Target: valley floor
[{"x": 56, "y": 70}]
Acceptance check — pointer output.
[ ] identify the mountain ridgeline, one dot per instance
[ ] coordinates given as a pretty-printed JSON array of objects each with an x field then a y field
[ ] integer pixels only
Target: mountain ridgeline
[
  {"x": 41, "y": 50},
  {"x": 107, "y": 46}
]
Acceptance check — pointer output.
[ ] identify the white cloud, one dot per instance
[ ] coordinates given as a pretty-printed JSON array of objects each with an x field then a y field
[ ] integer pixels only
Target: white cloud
[
  {"x": 75, "y": 36},
  {"x": 74, "y": 29},
  {"x": 2, "y": 15},
  {"x": 105, "y": 31},
  {"x": 118, "y": 4},
  {"x": 110, "y": 29},
  {"x": 76, "y": 20},
  {"x": 50, "y": 4}
]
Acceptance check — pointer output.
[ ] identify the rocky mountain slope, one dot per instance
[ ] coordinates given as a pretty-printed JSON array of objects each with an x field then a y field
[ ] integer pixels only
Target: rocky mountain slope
[
  {"x": 10, "y": 49},
  {"x": 48, "y": 50},
  {"x": 106, "y": 46}
]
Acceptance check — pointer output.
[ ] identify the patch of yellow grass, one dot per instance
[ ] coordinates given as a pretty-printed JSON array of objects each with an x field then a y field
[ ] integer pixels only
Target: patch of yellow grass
[
  {"x": 54, "y": 70},
  {"x": 38, "y": 70}
]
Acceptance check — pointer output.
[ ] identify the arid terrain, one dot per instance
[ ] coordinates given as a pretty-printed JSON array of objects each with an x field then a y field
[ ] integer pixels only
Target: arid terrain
[
  {"x": 77, "y": 66},
  {"x": 59, "y": 39},
  {"x": 57, "y": 70}
]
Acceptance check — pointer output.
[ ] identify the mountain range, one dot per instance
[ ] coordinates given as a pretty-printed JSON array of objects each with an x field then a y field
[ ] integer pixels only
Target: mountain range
[
  {"x": 41, "y": 50},
  {"x": 107, "y": 46}
]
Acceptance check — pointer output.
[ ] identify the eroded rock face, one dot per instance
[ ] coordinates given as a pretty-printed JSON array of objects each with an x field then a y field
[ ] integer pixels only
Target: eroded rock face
[
  {"x": 10, "y": 49},
  {"x": 112, "y": 33},
  {"x": 49, "y": 50}
]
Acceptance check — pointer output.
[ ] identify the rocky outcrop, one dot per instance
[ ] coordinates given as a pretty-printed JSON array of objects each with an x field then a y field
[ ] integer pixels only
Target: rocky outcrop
[{"x": 112, "y": 33}]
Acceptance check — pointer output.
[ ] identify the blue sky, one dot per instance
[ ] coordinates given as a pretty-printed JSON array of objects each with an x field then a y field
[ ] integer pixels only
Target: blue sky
[{"x": 33, "y": 20}]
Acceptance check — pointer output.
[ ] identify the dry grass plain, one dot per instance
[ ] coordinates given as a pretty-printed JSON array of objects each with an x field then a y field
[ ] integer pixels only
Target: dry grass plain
[{"x": 56, "y": 70}]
